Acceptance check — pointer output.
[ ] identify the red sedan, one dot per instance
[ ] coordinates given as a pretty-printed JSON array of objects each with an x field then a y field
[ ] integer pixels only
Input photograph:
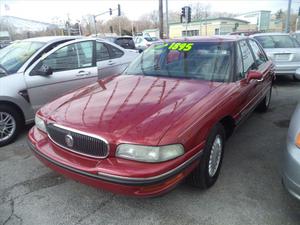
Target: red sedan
[{"x": 166, "y": 118}]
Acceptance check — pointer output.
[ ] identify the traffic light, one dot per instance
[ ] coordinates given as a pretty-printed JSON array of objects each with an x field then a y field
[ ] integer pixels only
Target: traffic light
[
  {"x": 119, "y": 10},
  {"x": 182, "y": 12},
  {"x": 110, "y": 11},
  {"x": 189, "y": 17},
  {"x": 186, "y": 13}
]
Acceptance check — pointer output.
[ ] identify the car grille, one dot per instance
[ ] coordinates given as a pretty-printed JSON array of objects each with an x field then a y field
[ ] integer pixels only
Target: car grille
[{"x": 83, "y": 144}]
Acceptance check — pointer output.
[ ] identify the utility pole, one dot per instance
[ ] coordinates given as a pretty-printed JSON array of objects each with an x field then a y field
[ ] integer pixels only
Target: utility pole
[
  {"x": 161, "y": 18},
  {"x": 287, "y": 22},
  {"x": 167, "y": 19},
  {"x": 95, "y": 23}
]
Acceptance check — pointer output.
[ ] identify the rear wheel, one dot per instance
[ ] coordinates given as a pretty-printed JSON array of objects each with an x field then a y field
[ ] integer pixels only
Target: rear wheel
[
  {"x": 296, "y": 78},
  {"x": 207, "y": 173},
  {"x": 10, "y": 124},
  {"x": 265, "y": 103}
]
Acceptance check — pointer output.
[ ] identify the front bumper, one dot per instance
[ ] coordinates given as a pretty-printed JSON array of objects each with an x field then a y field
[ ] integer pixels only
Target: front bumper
[
  {"x": 145, "y": 186},
  {"x": 291, "y": 168}
]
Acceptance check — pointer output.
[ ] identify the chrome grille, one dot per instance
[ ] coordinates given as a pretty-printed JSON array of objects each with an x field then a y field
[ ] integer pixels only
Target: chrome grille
[{"x": 83, "y": 144}]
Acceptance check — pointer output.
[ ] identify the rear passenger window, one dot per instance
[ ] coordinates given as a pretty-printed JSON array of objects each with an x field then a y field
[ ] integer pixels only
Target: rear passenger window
[
  {"x": 102, "y": 52},
  {"x": 248, "y": 60},
  {"x": 260, "y": 57},
  {"x": 116, "y": 53}
]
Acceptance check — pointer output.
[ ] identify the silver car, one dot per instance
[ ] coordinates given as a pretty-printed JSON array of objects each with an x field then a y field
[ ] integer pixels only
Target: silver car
[
  {"x": 291, "y": 159},
  {"x": 283, "y": 50},
  {"x": 31, "y": 75}
]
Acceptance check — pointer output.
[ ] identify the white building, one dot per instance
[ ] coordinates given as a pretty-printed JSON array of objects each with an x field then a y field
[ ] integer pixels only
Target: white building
[{"x": 260, "y": 18}]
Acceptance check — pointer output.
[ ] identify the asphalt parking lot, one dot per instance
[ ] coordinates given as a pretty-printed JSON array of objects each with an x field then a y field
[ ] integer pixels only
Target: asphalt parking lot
[{"x": 249, "y": 190}]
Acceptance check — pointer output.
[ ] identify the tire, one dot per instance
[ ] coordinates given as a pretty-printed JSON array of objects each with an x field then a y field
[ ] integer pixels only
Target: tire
[
  {"x": 203, "y": 177},
  {"x": 296, "y": 78},
  {"x": 265, "y": 103},
  {"x": 11, "y": 123}
]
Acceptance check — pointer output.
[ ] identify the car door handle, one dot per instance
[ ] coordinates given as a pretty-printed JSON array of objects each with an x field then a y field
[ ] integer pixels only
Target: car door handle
[
  {"x": 261, "y": 80},
  {"x": 111, "y": 63},
  {"x": 82, "y": 73}
]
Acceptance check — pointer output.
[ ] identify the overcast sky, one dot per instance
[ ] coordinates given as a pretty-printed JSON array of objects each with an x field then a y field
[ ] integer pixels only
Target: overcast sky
[{"x": 45, "y": 10}]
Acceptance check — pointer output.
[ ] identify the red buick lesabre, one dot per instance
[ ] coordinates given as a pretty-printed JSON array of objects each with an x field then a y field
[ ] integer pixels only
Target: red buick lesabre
[{"x": 166, "y": 118}]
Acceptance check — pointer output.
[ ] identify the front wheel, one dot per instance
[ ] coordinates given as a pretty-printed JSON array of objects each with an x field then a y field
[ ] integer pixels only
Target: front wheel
[
  {"x": 265, "y": 103},
  {"x": 207, "y": 172},
  {"x": 10, "y": 124}
]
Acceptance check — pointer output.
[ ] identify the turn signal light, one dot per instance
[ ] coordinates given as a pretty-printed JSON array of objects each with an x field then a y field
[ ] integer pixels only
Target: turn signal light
[{"x": 298, "y": 140}]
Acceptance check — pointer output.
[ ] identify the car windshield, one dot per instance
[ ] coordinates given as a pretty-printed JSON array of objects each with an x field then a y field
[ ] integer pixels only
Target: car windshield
[
  {"x": 190, "y": 60},
  {"x": 15, "y": 55},
  {"x": 277, "y": 41}
]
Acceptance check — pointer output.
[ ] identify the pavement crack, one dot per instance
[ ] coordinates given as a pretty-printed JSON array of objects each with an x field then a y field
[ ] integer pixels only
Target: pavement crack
[
  {"x": 101, "y": 205},
  {"x": 12, "y": 206},
  {"x": 13, "y": 214},
  {"x": 45, "y": 181}
]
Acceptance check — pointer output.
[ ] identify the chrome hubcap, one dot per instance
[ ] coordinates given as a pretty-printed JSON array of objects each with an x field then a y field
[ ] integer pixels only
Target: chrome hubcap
[
  {"x": 7, "y": 126},
  {"x": 215, "y": 156}
]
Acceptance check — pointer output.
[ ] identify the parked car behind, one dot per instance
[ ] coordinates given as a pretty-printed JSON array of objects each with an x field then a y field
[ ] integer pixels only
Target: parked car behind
[
  {"x": 291, "y": 159},
  {"x": 33, "y": 74},
  {"x": 296, "y": 35},
  {"x": 165, "y": 118},
  {"x": 143, "y": 42},
  {"x": 5, "y": 39},
  {"x": 123, "y": 41},
  {"x": 283, "y": 50}
]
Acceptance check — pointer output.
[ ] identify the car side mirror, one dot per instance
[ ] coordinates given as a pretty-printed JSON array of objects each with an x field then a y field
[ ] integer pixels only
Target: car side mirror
[
  {"x": 140, "y": 50},
  {"x": 43, "y": 70},
  {"x": 254, "y": 75}
]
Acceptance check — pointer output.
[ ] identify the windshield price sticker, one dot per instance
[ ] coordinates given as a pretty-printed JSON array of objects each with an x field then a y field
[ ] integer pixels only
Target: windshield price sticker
[
  {"x": 179, "y": 46},
  {"x": 185, "y": 46}
]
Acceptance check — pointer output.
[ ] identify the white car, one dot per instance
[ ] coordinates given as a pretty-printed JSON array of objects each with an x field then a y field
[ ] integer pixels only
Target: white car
[
  {"x": 142, "y": 42},
  {"x": 283, "y": 50}
]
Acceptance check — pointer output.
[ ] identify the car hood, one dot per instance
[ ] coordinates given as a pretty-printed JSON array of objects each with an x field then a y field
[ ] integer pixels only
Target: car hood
[{"x": 131, "y": 108}]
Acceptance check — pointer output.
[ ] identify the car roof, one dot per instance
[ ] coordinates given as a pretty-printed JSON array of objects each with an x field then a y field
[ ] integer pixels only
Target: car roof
[
  {"x": 47, "y": 39},
  {"x": 269, "y": 34},
  {"x": 216, "y": 38}
]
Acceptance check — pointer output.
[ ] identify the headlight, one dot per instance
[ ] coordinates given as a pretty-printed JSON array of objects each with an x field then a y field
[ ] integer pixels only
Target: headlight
[
  {"x": 149, "y": 153},
  {"x": 40, "y": 123},
  {"x": 297, "y": 142}
]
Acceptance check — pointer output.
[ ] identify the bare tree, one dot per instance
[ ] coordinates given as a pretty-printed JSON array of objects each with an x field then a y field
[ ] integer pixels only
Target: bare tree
[{"x": 200, "y": 11}]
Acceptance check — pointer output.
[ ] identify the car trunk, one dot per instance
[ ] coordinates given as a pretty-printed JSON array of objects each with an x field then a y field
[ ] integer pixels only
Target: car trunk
[{"x": 284, "y": 54}]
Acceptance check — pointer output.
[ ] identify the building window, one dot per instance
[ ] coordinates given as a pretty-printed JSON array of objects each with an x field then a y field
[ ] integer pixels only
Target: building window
[{"x": 190, "y": 33}]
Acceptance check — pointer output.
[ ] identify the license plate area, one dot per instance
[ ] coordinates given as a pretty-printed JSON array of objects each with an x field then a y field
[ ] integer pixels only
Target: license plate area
[{"x": 282, "y": 57}]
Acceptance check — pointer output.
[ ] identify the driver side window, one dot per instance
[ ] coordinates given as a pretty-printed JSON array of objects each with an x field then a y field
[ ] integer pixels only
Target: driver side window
[{"x": 70, "y": 57}]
